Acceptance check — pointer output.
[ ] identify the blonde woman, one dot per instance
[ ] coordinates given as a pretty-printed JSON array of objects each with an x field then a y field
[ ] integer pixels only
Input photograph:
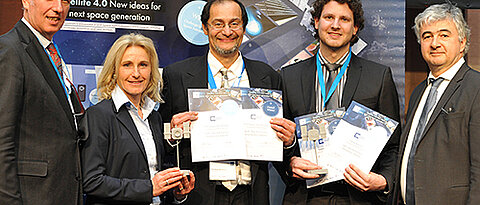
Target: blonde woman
[{"x": 122, "y": 157}]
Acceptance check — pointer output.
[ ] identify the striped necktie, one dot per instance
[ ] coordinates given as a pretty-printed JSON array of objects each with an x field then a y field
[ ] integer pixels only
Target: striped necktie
[
  {"x": 224, "y": 73},
  {"x": 55, "y": 58}
]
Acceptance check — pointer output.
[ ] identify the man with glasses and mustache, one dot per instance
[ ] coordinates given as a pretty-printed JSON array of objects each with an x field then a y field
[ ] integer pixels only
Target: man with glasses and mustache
[
  {"x": 333, "y": 78},
  {"x": 39, "y": 155},
  {"x": 224, "y": 23}
]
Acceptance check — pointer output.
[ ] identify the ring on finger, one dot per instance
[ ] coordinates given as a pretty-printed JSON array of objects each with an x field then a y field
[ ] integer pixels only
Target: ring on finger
[
  {"x": 167, "y": 182},
  {"x": 180, "y": 189}
]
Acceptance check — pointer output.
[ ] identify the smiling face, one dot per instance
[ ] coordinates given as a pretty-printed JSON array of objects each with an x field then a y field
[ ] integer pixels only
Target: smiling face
[
  {"x": 46, "y": 16},
  {"x": 224, "y": 42},
  {"x": 440, "y": 45},
  {"x": 336, "y": 26},
  {"x": 134, "y": 73}
]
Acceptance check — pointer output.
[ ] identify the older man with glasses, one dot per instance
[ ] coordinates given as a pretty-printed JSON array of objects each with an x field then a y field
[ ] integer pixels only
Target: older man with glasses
[{"x": 224, "y": 23}]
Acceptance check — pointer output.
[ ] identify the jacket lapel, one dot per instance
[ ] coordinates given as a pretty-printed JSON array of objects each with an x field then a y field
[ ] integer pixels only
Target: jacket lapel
[
  {"x": 451, "y": 88},
  {"x": 354, "y": 73},
  {"x": 412, "y": 107},
  {"x": 256, "y": 78},
  {"x": 124, "y": 117},
  {"x": 197, "y": 75},
  {"x": 42, "y": 62},
  {"x": 157, "y": 132},
  {"x": 307, "y": 81}
]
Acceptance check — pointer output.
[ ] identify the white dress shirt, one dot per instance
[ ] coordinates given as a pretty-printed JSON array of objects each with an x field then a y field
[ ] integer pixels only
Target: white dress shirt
[
  {"x": 341, "y": 84},
  {"x": 233, "y": 73},
  {"x": 448, "y": 76}
]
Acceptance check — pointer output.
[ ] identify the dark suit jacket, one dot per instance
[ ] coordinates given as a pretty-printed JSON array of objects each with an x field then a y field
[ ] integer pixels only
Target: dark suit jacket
[
  {"x": 192, "y": 73},
  {"x": 368, "y": 83},
  {"x": 39, "y": 158},
  {"x": 447, "y": 159},
  {"x": 114, "y": 161}
]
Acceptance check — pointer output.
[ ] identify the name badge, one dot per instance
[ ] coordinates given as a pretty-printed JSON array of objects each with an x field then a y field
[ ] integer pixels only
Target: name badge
[{"x": 223, "y": 170}]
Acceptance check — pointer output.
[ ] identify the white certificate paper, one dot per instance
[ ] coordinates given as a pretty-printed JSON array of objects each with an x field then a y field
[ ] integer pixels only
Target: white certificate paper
[
  {"x": 313, "y": 131},
  {"x": 358, "y": 139},
  {"x": 234, "y": 123}
]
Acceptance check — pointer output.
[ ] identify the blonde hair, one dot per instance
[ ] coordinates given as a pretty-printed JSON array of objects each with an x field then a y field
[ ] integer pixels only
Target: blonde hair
[{"x": 108, "y": 77}]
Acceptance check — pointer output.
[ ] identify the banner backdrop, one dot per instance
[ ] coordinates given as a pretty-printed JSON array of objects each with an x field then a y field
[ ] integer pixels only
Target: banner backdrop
[{"x": 278, "y": 33}]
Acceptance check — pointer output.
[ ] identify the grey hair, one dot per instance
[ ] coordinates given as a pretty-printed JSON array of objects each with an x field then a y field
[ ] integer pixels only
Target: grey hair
[{"x": 445, "y": 11}]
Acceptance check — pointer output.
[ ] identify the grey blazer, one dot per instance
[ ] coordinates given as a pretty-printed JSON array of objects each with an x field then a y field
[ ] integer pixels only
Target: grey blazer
[
  {"x": 39, "y": 155},
  {"x": 447, "y": 160}
]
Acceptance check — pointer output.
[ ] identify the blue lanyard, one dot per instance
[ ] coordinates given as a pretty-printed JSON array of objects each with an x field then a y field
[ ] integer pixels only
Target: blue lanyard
[
  {"x": 335, "y": 82},
  {"x": 211, "y": 80},
  {"x": 56, "y": 69}
]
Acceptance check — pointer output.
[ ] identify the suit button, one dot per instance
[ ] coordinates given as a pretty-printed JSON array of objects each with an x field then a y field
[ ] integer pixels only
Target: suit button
[
  {"x": 77, "y": 178},
  {"x": 144, "y": 171}
]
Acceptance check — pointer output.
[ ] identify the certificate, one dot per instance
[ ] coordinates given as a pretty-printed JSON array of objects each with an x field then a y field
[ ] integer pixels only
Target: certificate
[
  {"x": 358, "y": 139},
  {"x": 234, "y": 123},
  {"x": 313, "y": 132}
]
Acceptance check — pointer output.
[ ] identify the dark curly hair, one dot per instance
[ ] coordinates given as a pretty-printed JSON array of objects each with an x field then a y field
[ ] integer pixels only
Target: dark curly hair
[
  {"x": 354, "y": 5},
  {"x": 206, "y": 12}
]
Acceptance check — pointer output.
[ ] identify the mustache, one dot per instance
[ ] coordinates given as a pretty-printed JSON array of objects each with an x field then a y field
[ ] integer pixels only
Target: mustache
[{"x": 225, "y": 51}]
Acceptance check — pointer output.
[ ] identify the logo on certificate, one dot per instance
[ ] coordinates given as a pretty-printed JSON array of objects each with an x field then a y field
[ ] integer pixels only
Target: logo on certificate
[{"x": 270, "y": 108}]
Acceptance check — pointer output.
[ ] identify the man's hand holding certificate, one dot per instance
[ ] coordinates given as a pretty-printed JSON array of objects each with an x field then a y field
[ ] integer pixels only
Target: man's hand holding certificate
[
  {"x": 235, "y": 123},
  {"x": 358, "y": 138}
]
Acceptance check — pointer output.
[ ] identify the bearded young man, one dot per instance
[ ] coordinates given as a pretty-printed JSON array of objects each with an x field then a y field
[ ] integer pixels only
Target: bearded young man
[{"x": 337, "y": 23}]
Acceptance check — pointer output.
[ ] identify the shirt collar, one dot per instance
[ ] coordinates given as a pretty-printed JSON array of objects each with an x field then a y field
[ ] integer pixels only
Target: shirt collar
[
  {"x": 120, "y": 98},
  {"x": 215, "y": 64},
  {"x": 340, "y": 61},
  {"x": 43, "y": 41},
  {"x": 450, "y": 73}
]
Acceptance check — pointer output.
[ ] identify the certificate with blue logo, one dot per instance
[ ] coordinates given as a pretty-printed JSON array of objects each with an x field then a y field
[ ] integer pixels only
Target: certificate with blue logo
[
  {"x": 234, "y": 123},
  {"x": 334, "y": 141}
]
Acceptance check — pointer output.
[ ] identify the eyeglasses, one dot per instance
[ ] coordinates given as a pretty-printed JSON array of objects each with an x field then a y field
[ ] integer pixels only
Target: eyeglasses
[{"x": 235, "y": 25}]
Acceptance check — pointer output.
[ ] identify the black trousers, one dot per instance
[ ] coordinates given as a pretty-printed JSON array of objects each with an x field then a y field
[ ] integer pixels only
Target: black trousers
[
  {"x": 241, "y": 195},
  {"x": 334, "y": 193}
]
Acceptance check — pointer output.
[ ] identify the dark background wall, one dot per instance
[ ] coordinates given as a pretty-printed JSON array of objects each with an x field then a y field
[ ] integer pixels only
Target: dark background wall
[{"x": 10, "y": 13}]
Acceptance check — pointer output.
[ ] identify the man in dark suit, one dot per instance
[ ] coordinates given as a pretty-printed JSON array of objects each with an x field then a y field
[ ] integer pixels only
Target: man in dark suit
[
  {"x": 39, "y": 159},
  {"x": 439, "y": 156},
  {"x": 337, "y": 23},
  {"x": 224, "y": 22}
]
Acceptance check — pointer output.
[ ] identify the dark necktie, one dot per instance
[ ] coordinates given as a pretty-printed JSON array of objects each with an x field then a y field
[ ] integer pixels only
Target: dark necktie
[
  {"x": 333, "y": 102},
  {"x": 55, "y": 58},
  {"x": 430, "y": 102},
  {"x": 224, "y": 73}
]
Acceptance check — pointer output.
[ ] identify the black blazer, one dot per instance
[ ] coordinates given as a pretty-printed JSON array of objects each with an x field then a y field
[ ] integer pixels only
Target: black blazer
[
  {"x": 39, "y": 156},
  {"x": 368, "y": 83},
  {"x": 448, "y": 156},
  {"x": 192, "y": 73},
  {"x": 114, "y": 161}
]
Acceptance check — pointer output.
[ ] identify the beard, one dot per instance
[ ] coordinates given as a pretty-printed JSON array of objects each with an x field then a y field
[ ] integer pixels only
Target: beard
[{"x": 225, "y": 52}]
